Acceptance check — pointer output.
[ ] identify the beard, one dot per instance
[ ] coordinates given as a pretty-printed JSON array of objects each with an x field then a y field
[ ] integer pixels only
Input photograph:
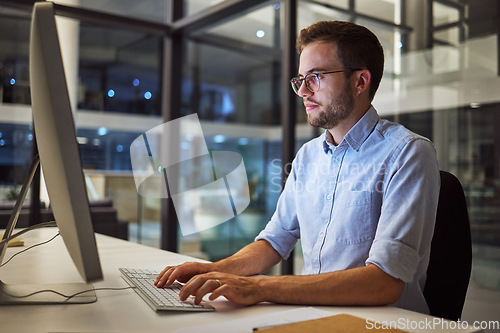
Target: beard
[{"x": 337, "y": 110}]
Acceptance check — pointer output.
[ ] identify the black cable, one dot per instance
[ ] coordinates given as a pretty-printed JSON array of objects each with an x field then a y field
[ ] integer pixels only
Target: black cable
[{"x": 29, "y": 248}]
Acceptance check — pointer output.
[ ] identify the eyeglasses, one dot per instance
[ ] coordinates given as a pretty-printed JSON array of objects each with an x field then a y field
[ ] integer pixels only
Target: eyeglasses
[{"x": 312, "y": 80}]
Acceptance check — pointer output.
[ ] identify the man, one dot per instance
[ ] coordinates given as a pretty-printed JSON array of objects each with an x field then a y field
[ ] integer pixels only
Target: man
[{"x": 362, "y": 197}]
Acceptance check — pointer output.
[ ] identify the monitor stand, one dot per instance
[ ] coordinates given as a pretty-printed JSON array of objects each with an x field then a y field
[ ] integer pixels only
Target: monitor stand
[{"x": 38, "y": 293}]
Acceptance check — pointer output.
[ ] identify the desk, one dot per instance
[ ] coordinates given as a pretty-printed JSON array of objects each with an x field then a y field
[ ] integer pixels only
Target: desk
[{"x": 125, "y": 311}]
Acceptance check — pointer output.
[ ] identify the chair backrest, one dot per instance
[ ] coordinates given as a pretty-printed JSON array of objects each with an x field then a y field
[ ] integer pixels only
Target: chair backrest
[{"x": 450, "y": 263}]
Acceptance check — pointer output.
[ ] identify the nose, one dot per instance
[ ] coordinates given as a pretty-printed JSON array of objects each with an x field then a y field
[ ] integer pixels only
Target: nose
[{"x": 303, "y": 90}]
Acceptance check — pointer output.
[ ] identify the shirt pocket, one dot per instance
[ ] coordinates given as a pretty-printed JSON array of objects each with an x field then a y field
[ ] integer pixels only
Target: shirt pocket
[{"x": 353, "y": 217}]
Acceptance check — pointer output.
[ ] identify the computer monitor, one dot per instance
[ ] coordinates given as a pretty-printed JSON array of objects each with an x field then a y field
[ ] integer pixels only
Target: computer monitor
[{"x": 60, "y": 160}]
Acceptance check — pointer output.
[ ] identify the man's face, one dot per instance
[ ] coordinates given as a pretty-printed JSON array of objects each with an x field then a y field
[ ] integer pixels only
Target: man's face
[{"x": 334, "y": 100}]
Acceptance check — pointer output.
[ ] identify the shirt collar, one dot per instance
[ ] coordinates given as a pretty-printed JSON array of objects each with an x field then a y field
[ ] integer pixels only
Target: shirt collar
[
  {"x": 358, "y": 133},
  {"x": 328, "y": 144}
]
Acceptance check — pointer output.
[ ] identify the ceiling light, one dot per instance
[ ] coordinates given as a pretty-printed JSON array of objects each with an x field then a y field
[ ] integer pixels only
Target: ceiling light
[{"x": 219, "y": 138}]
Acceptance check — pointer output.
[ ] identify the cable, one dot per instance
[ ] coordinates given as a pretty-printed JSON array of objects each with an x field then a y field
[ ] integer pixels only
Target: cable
[
  {"x": 93, "y": 289},
  {"x": 68, "y": 297},
  {"x": 29, "y": 248},
  {"x": 33, "y": 227}
]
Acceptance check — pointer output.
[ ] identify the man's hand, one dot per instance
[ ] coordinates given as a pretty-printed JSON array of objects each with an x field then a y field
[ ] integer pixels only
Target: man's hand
[
  {"x": 182, "y": 273},
  {"x": 237, "y": 289},
  {"x": 201, "y": 280}
]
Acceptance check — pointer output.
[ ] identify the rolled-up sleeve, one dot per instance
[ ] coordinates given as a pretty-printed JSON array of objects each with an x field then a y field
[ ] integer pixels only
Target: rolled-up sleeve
[{"x": 408, "y": 211}]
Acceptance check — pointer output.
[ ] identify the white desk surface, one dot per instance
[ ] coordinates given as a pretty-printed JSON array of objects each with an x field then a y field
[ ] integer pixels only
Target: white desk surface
[{"x": 125, "y": 311}]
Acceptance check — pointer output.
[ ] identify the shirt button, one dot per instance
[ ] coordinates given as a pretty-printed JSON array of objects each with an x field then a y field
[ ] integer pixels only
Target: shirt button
[
  {"x": 337, "y": 159},
  {"x": 322, "y": 234},
  {"x": 329, "y": 197}
]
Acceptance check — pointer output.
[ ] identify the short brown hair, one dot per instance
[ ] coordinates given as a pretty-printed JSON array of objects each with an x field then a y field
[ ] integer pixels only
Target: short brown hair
[{"x": 357, "y": 47}]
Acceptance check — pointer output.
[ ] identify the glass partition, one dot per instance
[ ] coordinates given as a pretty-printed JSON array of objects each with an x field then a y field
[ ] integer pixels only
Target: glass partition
[
  {"x": 16, "y": 135},
  {"x": 119, "y": 71},
  {"x": 14, "y": 72},
  {"x": 151, "y": 10},
  {"x": 443, "y": 14},
  {"x": 313, "y": 11},
  {"x": 192, "y": 7},
  {"x": 231, "y": 80},
  {"x": 119, "y": 98},
  {"x": 15, "y": 157},
  {"x": 381, "y": 9}
]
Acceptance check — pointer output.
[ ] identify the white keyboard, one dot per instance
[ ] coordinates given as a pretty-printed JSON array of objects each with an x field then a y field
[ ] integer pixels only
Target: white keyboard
[{"x": 160, "y": 298}]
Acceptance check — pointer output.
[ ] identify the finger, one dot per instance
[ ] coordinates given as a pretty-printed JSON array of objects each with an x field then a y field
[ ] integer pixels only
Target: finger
[
  {"x": 164, "y": 278},
  {"x": 159, "y": 276},
  {"x": 219, "y": 291},
  {"x": 192, "y": 286},
  {"x": 208, "y": 287},
  {"x": 162, "y": 273}
]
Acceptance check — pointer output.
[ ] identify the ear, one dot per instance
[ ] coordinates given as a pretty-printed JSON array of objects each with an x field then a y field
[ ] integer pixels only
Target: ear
[{"x": 363, "y": 80}]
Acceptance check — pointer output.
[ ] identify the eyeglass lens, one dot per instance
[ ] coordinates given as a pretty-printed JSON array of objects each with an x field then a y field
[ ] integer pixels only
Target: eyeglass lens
[{"x": 311, "y": 80}]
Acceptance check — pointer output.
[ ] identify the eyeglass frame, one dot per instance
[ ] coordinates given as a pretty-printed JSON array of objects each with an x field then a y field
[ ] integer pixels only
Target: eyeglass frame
[{"x": 317, "y": 78}]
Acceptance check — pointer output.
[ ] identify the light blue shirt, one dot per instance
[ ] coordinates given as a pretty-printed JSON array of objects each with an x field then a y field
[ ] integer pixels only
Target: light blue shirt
[{"x": 370, "y": 200}]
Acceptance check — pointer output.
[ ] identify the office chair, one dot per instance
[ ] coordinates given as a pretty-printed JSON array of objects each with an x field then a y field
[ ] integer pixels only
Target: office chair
[{"x": 451, "y": 252}]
